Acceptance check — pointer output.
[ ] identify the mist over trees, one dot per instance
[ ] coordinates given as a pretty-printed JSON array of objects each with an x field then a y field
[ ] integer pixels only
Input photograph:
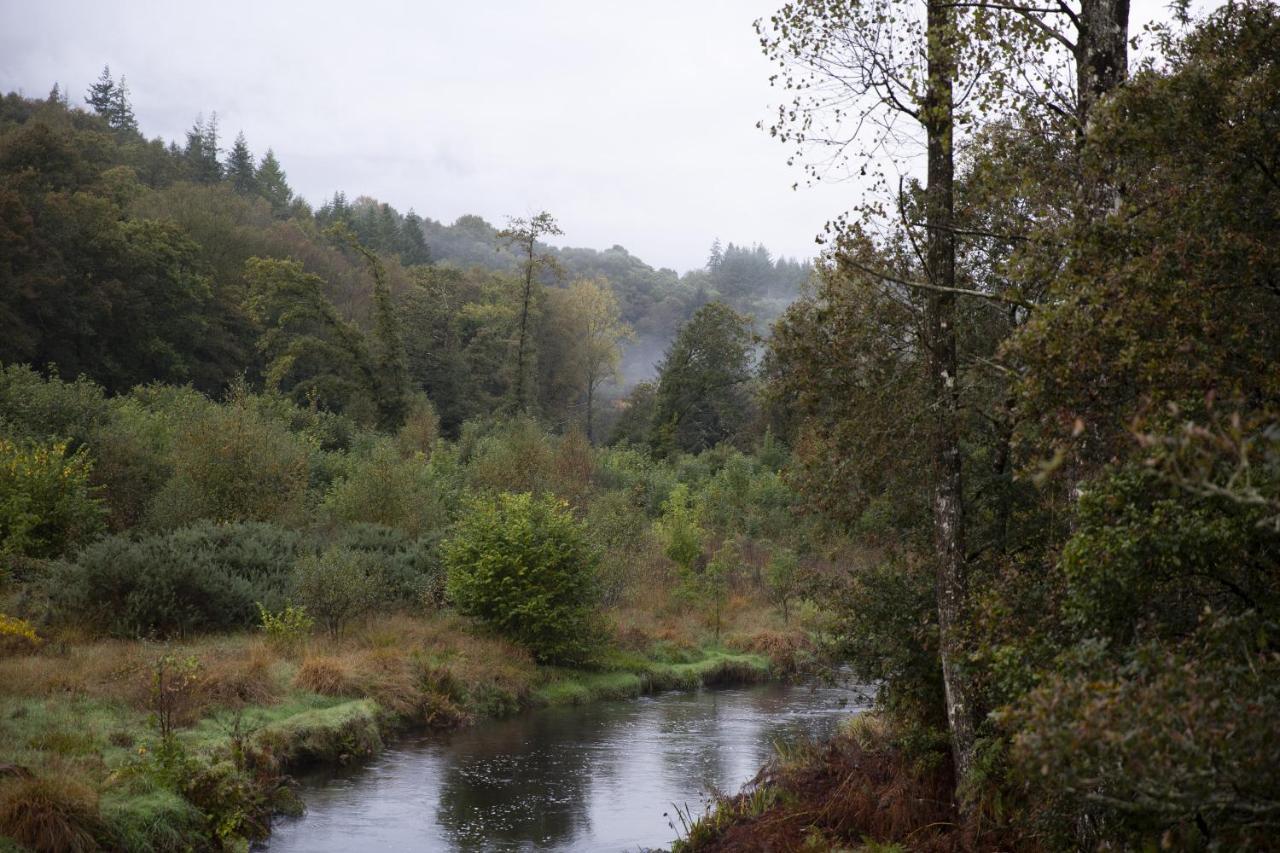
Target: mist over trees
[{"x": 254, "y": 282}]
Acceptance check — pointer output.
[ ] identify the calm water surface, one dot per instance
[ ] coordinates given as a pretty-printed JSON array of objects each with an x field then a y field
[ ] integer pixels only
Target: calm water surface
[{"x": 599, "y": 777}]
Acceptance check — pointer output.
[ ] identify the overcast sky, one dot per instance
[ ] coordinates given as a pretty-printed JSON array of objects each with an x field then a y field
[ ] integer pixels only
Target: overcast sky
[{"x": 632, "y": 122}]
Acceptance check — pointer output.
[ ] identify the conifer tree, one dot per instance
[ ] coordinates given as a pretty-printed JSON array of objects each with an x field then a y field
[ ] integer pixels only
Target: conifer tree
[
  {"x": 202, "y": 150},
  {"x": 239, "y": 169},
  {"x": 121, "y": 116},
  {"x": 273, "y": 185},
  {"x": 413, "y": 242},
  {"x": 101, "y": 95}
]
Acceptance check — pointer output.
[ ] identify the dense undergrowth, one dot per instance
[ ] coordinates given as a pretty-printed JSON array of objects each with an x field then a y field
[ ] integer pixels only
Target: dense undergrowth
[{"x": 204, "y": 596}]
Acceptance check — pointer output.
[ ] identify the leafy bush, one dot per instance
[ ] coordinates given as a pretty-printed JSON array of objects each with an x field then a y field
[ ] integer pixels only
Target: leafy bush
[
  {"x": 338, "y": 586},
  {"x": 512, "y": 457},
  {"x": 678, "y": 529},
  {"x": 524, "y": 566},
  {"x": 384, "y": 488},
  {"x": 46, "y": 502},
  {"x": 41, "y": 409},
  {"x": 201, "y": 578},
  {"x": 1147, "y": 556},
  {"x": 232, "y": 463},
  {"x": 619, "y": 529},
  {"x": 782, "y": 577},
  {"x": 1168, "y": 745},
  {"x": 288, "y": 629}
]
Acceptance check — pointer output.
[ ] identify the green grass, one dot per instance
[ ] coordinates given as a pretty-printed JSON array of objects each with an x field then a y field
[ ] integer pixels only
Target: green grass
[
  {"x": 107, "y": 744},
  {"x": 627, "y": 675}
]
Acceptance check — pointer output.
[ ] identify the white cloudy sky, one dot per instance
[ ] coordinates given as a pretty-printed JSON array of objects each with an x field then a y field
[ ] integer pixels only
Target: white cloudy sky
[{"x": 633, "y": 122}]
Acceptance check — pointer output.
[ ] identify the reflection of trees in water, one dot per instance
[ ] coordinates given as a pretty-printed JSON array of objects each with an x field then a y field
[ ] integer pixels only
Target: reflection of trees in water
[
  {"x": 528, "y": 782},
  {"x": 519, "y": 782}
]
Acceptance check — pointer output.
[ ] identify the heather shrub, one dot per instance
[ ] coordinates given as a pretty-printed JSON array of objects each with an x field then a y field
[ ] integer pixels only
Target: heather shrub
[
  {"x": 206, "y": 577},
  {"x": 409, "y": 569}
]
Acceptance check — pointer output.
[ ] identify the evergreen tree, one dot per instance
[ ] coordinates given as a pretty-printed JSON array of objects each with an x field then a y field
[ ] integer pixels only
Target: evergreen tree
[
  {"x": 202, "y": 150},
  {"x": 122, "y": 117},
  {"x": 702, "y": 386},
  {"x": 272, "y": 184},
  {"x": 101, "y": 95},
  {"x": 239, "y": 169},
  {"x": 413, "y": 243}
]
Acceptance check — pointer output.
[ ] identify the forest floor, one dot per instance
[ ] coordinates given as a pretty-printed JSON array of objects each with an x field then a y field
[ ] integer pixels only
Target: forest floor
[{"x": 84, "y": 762}]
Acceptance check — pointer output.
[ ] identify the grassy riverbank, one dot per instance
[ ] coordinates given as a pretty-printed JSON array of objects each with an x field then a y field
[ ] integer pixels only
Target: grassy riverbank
[
  {"x": 85, "y": 762},
  {"x": 859, "y": 790}
]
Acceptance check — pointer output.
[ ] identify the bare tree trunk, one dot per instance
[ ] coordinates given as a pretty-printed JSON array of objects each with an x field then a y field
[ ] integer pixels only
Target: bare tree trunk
[
  {"x": 943, "y": 363},
  {"x": 524, "y": 324},
  {"x": 1102, "y": 64}
]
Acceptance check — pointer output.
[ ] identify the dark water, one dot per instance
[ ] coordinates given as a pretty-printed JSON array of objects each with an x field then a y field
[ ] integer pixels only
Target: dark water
[{"x": 599, "y": 777}]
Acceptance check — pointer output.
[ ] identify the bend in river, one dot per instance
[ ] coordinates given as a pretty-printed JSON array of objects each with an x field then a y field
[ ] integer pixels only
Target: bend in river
[{"x": 602, "y": 776}]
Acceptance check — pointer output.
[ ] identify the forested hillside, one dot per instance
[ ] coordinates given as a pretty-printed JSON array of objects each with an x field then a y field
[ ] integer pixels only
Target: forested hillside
[{"x": 127, "y": 263}]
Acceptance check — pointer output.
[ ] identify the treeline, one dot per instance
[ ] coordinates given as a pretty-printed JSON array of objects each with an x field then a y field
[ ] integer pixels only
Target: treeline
[
  {"x": 130, "y": 260},
  {"x": 1047, "y": 386}
]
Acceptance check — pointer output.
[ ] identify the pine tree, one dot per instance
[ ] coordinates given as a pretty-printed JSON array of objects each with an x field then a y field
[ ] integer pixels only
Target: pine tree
[
  {"x": 413, "y": 242},
  {"x": 202, "y": 150},
  {"x": 239, "y": 170},
  {"x": 111, "y": 101},
  {"x": 122, "y": 117},
  {"x": 272, "y": 184},
  {"x": 101, "y": 95}
]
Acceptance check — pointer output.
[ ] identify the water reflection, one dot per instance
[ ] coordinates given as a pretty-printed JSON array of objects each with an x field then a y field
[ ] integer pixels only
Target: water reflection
[{"x": 599, "y": 777}]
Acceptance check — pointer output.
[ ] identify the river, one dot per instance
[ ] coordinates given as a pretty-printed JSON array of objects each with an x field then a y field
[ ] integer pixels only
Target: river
[{"x": 600, "y": 777}]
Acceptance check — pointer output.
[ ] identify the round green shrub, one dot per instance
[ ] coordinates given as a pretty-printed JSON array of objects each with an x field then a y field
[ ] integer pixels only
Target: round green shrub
[
  {"x": 207, "y": 577},
  {"x": 523, "y": 565}
]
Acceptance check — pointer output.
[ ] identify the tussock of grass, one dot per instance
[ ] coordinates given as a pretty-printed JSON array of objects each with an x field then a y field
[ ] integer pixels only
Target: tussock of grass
[
  {"x": 338, "y": 735},
  {"x": 327, "y": 676},
  {"x": 52, "y": 814},
  {"x": 158, "y": 820}
]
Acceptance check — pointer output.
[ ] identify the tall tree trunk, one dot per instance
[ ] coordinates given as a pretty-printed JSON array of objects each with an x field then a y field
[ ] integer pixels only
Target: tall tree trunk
[
  {"x": 524, "y": 325},
  {"x": 940, "y": 332},
  {"x": 1102, "y": 64},
  {"x": 591, "y": 395}
]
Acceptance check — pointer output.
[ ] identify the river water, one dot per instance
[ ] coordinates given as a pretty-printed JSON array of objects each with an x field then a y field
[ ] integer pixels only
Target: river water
[{"x": 599, "y": 777}]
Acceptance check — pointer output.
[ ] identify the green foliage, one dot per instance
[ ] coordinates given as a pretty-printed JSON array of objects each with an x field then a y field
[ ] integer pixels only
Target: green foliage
[
  {"x": 337, "y": 587},
  {"x": 1146, "y": 559},
  {"x": 47, "y": 505},
  {"x": 407, "y": 570},
  {"x": 288, "y": 629},
  {"x": 679, "y": 530},
  {"x": 231, "y": 463},
  {"x": 411, "y": 495},
  {"x": 702, "y": 398},
  {"x": 524, "y": 566},
  {"x": 782, "y": 578},
  {"x": 1166, "y": 745},
  {"x": 311, "y": 353},
  {"x": 715, "y": 581},
  {"x": 201, "y": 578}
]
